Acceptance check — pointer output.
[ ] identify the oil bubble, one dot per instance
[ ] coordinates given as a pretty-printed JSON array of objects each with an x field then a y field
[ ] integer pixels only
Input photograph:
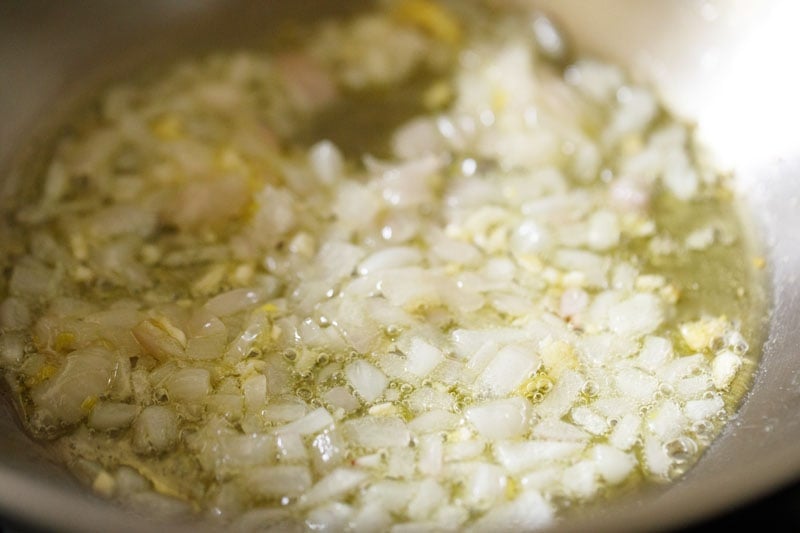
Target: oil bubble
[
  {"x": 666, "y": 390},
  {"x": 681, "y": 449},
  {"x": 392, "y": 331},
  {"x": 702, "y": 428},
  {"x": 590, "y": 388},
  {"x": 304, "y": 393}
]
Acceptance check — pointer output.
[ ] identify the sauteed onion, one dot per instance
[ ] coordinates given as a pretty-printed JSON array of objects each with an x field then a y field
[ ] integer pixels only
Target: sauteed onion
[{"x": 476, "y": 329}]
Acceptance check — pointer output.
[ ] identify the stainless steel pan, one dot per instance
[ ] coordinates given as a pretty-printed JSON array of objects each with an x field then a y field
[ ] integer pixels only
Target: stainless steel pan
[{"x": 728, "y": 65}]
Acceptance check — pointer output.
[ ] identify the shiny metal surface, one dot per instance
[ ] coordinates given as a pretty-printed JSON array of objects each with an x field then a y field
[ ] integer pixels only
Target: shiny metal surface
[{"x": 726, "y": 65}]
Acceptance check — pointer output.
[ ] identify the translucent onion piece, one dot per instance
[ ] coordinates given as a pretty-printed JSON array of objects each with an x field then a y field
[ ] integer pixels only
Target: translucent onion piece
[
  {"x": 155, "y": 430},
  {"x": 367, "y": 380},
  {"x": 500, "y": 419},
  {"x": 110, "y": 415},
  {"x": 67, "y": 396}
]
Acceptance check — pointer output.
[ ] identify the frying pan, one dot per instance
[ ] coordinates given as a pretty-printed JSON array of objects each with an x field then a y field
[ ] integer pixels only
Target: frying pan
[{"x": 729, "y": 66}]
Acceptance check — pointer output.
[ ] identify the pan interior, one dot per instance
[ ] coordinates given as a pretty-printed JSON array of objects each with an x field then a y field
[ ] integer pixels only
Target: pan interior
[{"x": 780, "y": 337}]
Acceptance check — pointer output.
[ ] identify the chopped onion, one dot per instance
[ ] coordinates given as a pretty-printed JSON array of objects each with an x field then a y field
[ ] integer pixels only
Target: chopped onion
[
  {"x": 656, "y": 458},
  {"x": 342, "y": 398},
  {"x": 371, "y": 517},
  {"x": 376, "y": 432},
  {"x": 580, "y": 479},
  {"x": 390, "y": 494},
  {"x": 430, "y": 495},
  {"x": 507, "y": 370},
  {"x": 327, "y": 450},
  {"x": 313, "y": 422},
  {"x": 327, "y": 161},
  {"x": 431, "y": 455},
  {"x": 724, "y": 368},
  {"x": 593, "y": 267},
  {"x": 159, "y": 338},
  {"x": 367, "y": 380},
  {"x": 559, "y": 400},
  {"x": 666, "y": 421},
  {"x": 336, "y": 484},
  {"x": 626, "y": 432},
  {"x": 12, "y": 347},
  {"x": 107, "y": 416},
  {"x": 155, "y": 430},
  {"x": 517, "y": 456},
  {"x": 291, "y": 448},
  {"x": 589, "y": 420},
  {"x": 500, "y": 419},
  {"x": 207, "y": 336},
  {"x": 395, "y": 257},
  {"x": 636, "y": 384},
  {"x": 422, "y": 357},
  {"x": 487, "y": 483},
  {"x": 433, "y": 421},
  {"x": 427, "y": 399},
  {"x": 236, "y": 452},
  {"x": 191, "y": 385},
  {"x": 14, "y": 314},
  {"x": 698, "y": 410},
  {"x": 655, "y": 353},
  {"x": 85, "y": 376},
  {"x": 254, "y": 391},
  {"x": 639, "y": 315},
  {"x": 234, "y": 301},
  {"x": 554, "y": 429},
  {"x": 31, "y": 279},
  {"x": 613, "y": 465},
  {"x": 526, "y": 512},
  {"x": 472, "y": 334},
  {"x": 277, "y": 481},
  {"x": 331, "y": 516}
]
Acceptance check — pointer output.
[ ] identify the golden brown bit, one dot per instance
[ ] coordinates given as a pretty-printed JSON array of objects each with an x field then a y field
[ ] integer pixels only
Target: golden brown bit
[
  {"x": 270, "y": 308},
  {"x": 89, "y": 403},
  {"x": 83, "y": 274},
  {"x": 159, "y": 338},
  {"x": 558, "y": 356},
  {"x": 45, "y": 373},
  {"x": 167, "y": 127},
  {"x": 724, "y": 194},
  {"x": 740, "y": 292},
  {"x": 430, "y": 17},
  {"x": 210, "y": 281},
  {"x": 670, "y": 293},
  {"x": 512, "y": 488},
  {"x": 632, "y": 144},
  {"x": 700, "y": 334},
  {"x": 438, "y": 96},
  {"x": 64, "y": 340},
  {"x": 228, "y": 158},
  {"x": 104, "y": 484},
  {"x": 499, "y": 100},
  {"x": 759, "y": 262}
]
